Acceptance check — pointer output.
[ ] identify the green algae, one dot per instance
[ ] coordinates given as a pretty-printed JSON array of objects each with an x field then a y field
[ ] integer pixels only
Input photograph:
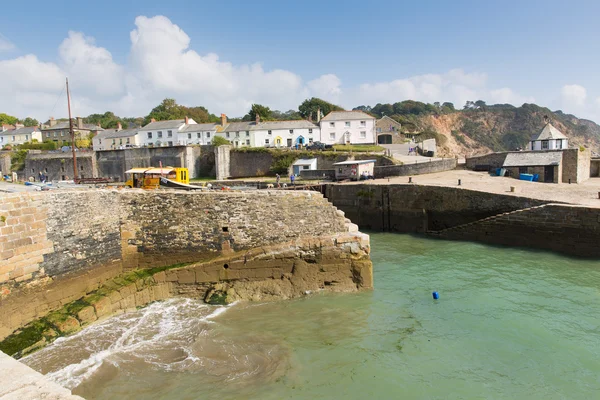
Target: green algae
[{"x": 47, "y": 329}]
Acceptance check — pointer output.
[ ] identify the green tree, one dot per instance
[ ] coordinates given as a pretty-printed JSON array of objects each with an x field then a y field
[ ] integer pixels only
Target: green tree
[
  {"x": 169, "y": 109},
  {"x": 219, "y": 141},
  {"x": 263, "y": 112},
  {"x": 309, "y": 108},
  {"x": 8, "y": 119},
  {"x": 30, "y": 122}
]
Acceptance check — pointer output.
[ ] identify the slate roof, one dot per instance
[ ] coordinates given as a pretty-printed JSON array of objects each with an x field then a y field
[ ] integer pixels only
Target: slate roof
[
  {"x": 65, "y": 125},
  {"x": 268, "y": 125},
  {"x": 346, "y": 115},
  {"x": 28, "y": 130},
  {"x": 532, "y": 159},
  {"x": 305, "y": 161},
  {"x": 170, "y": 124},
  {"x": 352, "y": 162},
  {"x": 549, "y": 132},
  {"x": 199, "y": 127},
  {"x": 115, "y": 134}
]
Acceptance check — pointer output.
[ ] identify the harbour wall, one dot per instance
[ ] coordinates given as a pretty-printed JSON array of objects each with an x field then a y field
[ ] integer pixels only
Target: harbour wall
[
  {"x": 58, "y": 246},
  {"x": 455, "y": 213},
  {"x": 445, "y": 164}
]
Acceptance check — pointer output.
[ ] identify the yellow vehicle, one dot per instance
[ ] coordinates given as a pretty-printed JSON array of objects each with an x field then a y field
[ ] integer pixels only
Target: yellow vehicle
[{"x": 153, "y": 177}]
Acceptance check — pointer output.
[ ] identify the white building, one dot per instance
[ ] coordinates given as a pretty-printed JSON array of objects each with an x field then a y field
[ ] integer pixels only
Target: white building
[
  {"x": 549, "y": 138},
  {"x": 113, "y": 139},
  {"x": 162, "y": 133},
  {"x": 201, "y": 134},
  {"x": 269, "y": 133},
  {"x": 20, "y": 135},
  {"x": 348, "y": 127}
]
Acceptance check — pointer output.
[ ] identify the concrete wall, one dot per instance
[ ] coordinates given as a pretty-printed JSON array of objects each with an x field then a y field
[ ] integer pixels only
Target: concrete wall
[
  {"x": 59, "y": 166},
  {"x": 563, "y": 228},
  {"x": 416, "y": 208},
  {"x": 57, "y": 246},
  {"x": 432, "y": 166},
  {"x": 576, "y": 165},
  {"x": 114, "y": 163}
]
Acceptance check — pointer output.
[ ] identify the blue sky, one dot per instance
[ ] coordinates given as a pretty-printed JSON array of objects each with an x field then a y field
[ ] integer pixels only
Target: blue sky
[{"x": 349, "y": 52}]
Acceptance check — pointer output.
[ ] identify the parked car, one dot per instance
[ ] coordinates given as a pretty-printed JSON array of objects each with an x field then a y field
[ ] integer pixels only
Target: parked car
[{"x": 318, "y": 146}]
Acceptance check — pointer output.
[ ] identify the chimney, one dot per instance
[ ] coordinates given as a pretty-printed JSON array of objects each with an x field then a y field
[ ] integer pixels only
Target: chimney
[
  {"x": 18, "y": 126},
  {"x": 152, "y": 120},
  {"x": 52, "y": 121},
  {"x": 318, "y": 115},
  {"x": 257, "y": 120},
  {"x": 119, "y": 126},
  {"x": 187, "y": 120},
  {"x": 223, "y": 119},
  {"x": 79, "y": 123}
]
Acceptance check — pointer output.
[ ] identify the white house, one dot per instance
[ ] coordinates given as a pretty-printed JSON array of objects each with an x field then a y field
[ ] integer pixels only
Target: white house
[
  {"x": 162, "y": 133},
  {"x": 112, "y": 139},
  {"x": 202, "y": 134},
  {"x": 348, "y": 127},
  {"x": 549, "y": 138},
  {"x": 269, "y": 133},
  {"x": 20, "y": 135}
]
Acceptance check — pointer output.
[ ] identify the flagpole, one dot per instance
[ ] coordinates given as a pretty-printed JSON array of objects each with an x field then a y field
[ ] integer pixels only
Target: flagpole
[{"x": 72, "y": 134}]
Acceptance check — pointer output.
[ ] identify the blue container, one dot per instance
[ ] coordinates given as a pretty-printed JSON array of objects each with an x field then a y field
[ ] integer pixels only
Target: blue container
[{"x": 436, "y": 295}]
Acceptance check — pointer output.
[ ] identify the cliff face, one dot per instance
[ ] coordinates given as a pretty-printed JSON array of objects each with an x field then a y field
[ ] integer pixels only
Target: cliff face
[{"x": 504, "y": 127}]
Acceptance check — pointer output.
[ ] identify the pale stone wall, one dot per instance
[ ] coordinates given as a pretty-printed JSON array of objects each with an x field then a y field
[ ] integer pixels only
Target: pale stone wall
[{"x": 57, "y": 246}]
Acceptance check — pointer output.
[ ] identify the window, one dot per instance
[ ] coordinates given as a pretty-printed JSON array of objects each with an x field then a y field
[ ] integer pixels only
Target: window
[
  {"x": 247, "y": 134},
  {"x": 237, "y": 134},
  {"x": 120, "y": 141},
  {"x": 169, "y": 133},
  {"x": 378, "y": 130},
  {"x": 149, "y": 135},
  {"x": 32, "y": 170},
  {"x": 310, "y": 131},
  {"x": 170, "y": 143},
  {"x": 247, "y": 142},
  {"x": 559, "y": 144},
  {"x": 127, "y": 141},
  {"x": 270, "y": 132},
  {"x": 62, "y": 169},
  {"x": 363, "y": 134},
  {"x": 267, "y": 141},
  {"x": 199, "y": 135},
  {"x": 522, "y": 170},
  {"x": 14, "y": 138},
  {"x": 332, "y": 124},
  {"x": 189, "y": 135},
  {"x": 363, "y": 123},
  {"x": 291, "y": 131},
  {"x": 544, "y": 145},
  {"x": 289, "y": 143},
  {"x": 114, "y": 141},
  {"x": 159, "y": 134},
  {"x": 99, "y": 141},
  {"x": 46, "y": 170},
  {"x": 305, "y": 167},
  {"x": 332, "y": 136},
  {"x": 62, "y": 133},
  {"x": 227, "y": 134},
  {"x": 347, "y": 124},
  {"x": 310, "y": 140},
  {"x": 54, "y": 134},
  {"x": 208, "y": 135}
]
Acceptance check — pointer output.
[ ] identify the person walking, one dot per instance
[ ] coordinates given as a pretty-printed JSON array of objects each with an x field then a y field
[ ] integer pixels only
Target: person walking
[
  {"x": 277, "y": 179},
  {"x": 292, "y": 179}
]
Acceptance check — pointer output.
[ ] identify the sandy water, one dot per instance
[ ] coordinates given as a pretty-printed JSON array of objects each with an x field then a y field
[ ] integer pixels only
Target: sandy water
[{"x": 510, "y": 324}]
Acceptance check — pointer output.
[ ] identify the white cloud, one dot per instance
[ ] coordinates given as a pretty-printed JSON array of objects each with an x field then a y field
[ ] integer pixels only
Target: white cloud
[
  {"x": 5, "y": 44},
  {"x": 573, "y": 95},
  {"x": 162, "y": 64}
]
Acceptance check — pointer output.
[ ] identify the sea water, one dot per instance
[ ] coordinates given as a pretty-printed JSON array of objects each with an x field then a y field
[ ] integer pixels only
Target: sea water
[{"x": 509, "y": 324}]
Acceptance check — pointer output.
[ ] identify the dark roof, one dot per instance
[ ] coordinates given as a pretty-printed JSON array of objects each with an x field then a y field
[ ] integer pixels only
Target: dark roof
[
  {"x": 65, "y": 125},
  {"x": 199, "y": 127},
  {"x": 115, "y": 134},
  {"x": 268, "y": 125},
  {"x": 549, "y": 132},
  {"x": 170, "y": 124}
]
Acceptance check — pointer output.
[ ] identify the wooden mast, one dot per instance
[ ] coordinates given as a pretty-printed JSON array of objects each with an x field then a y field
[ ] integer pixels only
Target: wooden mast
[{"x": 72, "y": 134}]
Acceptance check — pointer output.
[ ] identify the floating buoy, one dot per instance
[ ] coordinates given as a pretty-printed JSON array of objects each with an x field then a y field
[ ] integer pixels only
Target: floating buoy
[{"x": 435, "y": 295}]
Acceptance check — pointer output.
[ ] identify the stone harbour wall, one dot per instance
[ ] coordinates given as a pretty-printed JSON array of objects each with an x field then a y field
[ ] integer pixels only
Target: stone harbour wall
[
  {"x": 58, "y": 246},
  {"x": 407, "y": 169}
]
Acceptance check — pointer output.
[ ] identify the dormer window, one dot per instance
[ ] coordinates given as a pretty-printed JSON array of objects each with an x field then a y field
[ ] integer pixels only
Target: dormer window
[
  {"x": 332, "y": 124},
  {"x": 291, "y": 131},
  {"x": 270, "y": 133}
]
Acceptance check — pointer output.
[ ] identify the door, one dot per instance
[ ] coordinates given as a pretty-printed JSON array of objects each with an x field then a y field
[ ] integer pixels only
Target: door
[
  {"x": 289, "y": 143},
  {"x": 549, "y": 174}
]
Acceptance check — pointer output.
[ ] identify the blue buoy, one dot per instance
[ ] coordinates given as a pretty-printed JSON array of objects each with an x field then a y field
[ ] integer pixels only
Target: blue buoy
[{"x": 436, "y": 295}]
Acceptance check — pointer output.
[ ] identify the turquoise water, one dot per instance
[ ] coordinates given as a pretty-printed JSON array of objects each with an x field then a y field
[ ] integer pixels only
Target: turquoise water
[{"x": 510, "y": 324}]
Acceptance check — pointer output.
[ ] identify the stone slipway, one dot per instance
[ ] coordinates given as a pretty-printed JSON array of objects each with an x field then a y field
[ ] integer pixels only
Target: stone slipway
[{"x": 19, "y": 382}]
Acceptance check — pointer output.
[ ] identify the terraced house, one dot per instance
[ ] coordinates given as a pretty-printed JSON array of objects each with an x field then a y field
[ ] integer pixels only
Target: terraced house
[
  {"x": 259, "y": 133},
  {"x": 348, "y": 127},
  {"x": 58, "y": 132},
  {"x": 20, "y": 135}
]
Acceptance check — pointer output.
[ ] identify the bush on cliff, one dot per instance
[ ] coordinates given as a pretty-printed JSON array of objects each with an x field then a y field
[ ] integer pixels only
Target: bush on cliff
[{"x": 220, "y": 141}]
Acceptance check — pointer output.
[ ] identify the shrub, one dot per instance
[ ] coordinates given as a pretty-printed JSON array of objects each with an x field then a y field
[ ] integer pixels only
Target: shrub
[{"x": 220, "y": 141}]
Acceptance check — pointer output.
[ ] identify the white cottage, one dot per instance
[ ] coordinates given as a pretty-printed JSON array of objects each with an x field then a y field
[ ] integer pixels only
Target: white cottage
[
  {"x": 201, "y": 134},
  {"x": 163, "y": 133},
  {"x": 549, "y": 138},
  {"x": 269, "y": 133},
  {"x": 20, "y": 135},
  {"x": 348, "y": 127}
]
